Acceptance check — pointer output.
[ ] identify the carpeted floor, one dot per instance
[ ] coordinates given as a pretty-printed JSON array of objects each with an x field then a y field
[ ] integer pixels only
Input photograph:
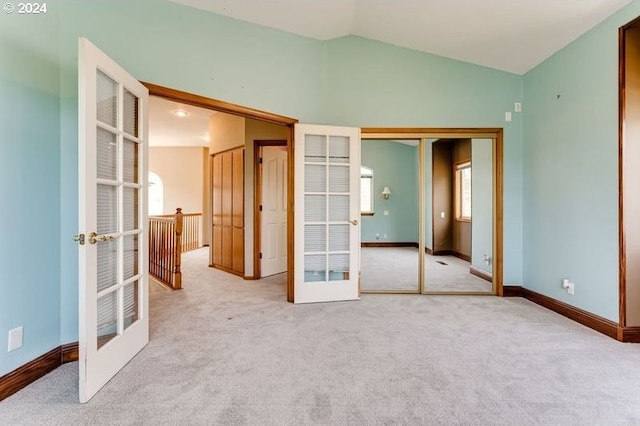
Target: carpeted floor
[
  {"x": 396, "y": 268},
  {"x": 225, "y": 351}
]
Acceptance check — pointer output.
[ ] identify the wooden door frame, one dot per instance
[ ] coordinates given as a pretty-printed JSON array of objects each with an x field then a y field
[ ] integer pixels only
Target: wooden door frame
[
  {"x": 626, "y": 221},
  {"x": 257, "y": 200},
  {"x": 498, "y": 180},
  {"x": 254, "y": 114}
]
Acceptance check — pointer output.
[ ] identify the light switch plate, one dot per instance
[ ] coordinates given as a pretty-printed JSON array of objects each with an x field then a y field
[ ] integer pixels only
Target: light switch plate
[
  {"x": 15, "y": 339},
  {"x": 386, "y": 213},
  {"x": 507, "y": 116}
]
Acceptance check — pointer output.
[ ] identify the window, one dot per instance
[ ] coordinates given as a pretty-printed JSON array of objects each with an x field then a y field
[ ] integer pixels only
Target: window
[
  {"x": 366, "y": 191},
  {"x": 156, "y": 195},
  {"x": 463, "y": 192}
]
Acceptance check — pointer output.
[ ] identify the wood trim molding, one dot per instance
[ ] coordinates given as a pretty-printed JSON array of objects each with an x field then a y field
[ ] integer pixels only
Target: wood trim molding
[
  {"x": 622, "y": 255},
  {"x": 70, "y": 352},
  {"x": 387, "y": 244},
  {"x": 473, "y": 270},
  {"x": 629, "y": 334},
  {"x": 214, "y": 104},
  {"x": 290, "y": 214},
  {"x": 462, "y": 256},
  {"x": 28, "y": 373},
  {"x": 229, "y": 270},
  {"x": 588, "y": 319},
  {"x": 512, "y": 291}
]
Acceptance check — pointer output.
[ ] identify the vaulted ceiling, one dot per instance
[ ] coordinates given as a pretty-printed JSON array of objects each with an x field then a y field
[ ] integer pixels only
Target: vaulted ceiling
[{"x": 509, "y": 35}]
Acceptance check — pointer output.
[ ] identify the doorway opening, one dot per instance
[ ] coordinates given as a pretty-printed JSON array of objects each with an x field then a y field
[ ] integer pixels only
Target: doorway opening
[{"x": 255, "y": 119}]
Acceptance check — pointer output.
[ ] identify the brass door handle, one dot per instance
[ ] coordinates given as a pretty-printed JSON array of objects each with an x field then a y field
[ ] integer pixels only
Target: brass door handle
[
  {"x": 94, "y": 238},
  {"x": 353, "y": 221}
]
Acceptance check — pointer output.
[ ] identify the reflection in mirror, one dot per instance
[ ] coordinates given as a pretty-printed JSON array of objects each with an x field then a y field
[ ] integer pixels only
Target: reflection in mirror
[
  {"x": 389, "y": 205},
  {"x": 459, "y": 215}
]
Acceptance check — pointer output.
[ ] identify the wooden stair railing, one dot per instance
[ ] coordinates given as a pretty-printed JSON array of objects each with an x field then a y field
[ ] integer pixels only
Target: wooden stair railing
[{"x": 169, "y": 237}]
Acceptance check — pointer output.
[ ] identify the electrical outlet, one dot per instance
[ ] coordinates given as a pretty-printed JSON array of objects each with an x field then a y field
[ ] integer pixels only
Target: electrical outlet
[
  {"x": 385, "y": 236},
  {"x": 569, "y": 286},
  {"x": 15, "y": 339},
  {"x": 385, "y": 213},
  {"x": 517, "y": 107}
]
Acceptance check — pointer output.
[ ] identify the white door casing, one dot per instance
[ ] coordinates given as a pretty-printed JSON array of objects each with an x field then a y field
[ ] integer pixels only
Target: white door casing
[
  {"x": 112, "y": 172},
  {"x": 273, "y": 221},
  {"x": 327, "y": 213}
]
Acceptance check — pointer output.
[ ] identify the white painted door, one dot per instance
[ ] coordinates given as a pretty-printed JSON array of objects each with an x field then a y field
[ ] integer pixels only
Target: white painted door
[
  {"x": 112, "y": 167},
  {"x": 327, "y": 214},
  {"x": 274, "y": 211}
]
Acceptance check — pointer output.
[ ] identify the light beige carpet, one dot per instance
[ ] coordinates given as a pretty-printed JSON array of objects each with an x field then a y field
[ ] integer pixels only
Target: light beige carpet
[{"x": 225, "y": 351}]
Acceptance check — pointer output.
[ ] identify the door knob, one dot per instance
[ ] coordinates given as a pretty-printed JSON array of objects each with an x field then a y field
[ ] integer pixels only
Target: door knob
[
  {"x": 94, "y": 238},
  {"x": 353, "y": 221}
]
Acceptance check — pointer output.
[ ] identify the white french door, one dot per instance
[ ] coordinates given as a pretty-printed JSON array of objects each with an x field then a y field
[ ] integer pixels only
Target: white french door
[
  {"x": 327, "y": 200},
  {"x": 112, "y": 168}
]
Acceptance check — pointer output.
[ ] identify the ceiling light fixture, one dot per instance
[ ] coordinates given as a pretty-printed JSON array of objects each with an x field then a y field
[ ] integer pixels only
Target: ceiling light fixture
[{"x": 180, "y": 113}]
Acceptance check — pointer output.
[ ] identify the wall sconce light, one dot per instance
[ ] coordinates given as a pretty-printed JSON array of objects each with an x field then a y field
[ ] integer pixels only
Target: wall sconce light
[{"x": 386, "y": 192}]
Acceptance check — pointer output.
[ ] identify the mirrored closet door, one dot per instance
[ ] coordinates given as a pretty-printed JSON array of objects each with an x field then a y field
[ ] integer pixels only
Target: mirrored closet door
[{"x": 389, "y": 197}]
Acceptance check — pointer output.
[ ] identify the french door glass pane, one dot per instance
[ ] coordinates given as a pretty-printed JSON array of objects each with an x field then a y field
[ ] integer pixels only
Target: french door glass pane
[
  {"x": 107, "y": 100},
  {"x": 130, "y": 161},
  {"x": 315, "y": 178},
  {"x": 315, "y": 208},
  {"x": 315, "y": 266},
  {"x": 131, "y": 295},
  {"x": 315, "y": 238},
  {"x": 130, "y": 201},
  {"x": 107, "y": 318},
  {"x": 107, "y": 153},
  {"x": 130, "y": 105},
  {"x": 107, "y": 264},
  {"x": 338, "y": 149},
  {"x": 339, "y": 237},
  {"x": 338, "y": 208},
  {"x": 315, "y": 149},
  {"x": 130, "y": 255},
  {"x": 107, "y": 198},
  {"x": 339, "y": 179},
  {"x": 338, "y": 267}
]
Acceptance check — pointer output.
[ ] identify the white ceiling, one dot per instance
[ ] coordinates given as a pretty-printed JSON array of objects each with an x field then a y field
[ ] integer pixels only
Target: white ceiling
[
  {"x": 167, "y": 129},
  {"x": 509, "y": 35}
]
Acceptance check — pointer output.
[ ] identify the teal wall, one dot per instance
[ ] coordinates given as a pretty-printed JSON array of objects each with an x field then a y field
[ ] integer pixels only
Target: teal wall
[
  {"x": 571, "y": 170},
  {"x": 481, "y": 202},
  {"x": 29, "y": 186},
  {"x": 372, "y": 84},
  {"x": 394, "y": 165},
  {"x": 570, "y": 144}
]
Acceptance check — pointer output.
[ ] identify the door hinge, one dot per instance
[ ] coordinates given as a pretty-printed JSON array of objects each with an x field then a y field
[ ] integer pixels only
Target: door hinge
[
  {"x": 260, "y": 207},
  {"x": 260, "y": 255},
  {"x": 260, "y": 160},
  {"x": 79, "y": 239}
]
